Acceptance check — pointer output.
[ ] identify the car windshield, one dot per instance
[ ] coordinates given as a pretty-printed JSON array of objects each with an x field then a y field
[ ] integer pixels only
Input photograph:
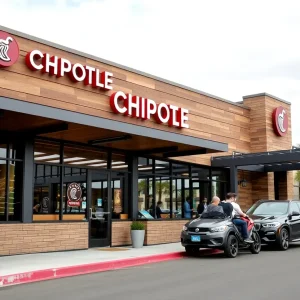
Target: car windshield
[{"x": 273, "y": 208}]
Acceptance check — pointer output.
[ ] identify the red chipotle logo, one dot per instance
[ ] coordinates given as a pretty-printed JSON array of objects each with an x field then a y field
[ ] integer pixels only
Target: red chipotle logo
[
  {"x": 9, "y": 50},
  {"x": 74, "y": 193},
  {"x": 280, "y": 121}
]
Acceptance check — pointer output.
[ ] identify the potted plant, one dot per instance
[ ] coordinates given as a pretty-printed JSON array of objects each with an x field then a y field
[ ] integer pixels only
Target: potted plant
[{"x": 137, "y": 234}]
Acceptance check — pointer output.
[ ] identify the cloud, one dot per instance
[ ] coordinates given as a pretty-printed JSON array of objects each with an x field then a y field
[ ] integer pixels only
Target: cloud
[{"x": 227, "y": 48}]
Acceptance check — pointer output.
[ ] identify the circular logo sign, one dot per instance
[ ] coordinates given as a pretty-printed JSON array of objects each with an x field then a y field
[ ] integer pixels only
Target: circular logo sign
[
  {"x": 9, "y": 49},
  {"x": 74, "y": 193},
  {"x": 280, "y": 121}
]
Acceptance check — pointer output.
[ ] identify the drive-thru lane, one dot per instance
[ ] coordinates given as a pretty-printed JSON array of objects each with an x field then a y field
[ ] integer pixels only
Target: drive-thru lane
[{"x": 269, "y": 275}]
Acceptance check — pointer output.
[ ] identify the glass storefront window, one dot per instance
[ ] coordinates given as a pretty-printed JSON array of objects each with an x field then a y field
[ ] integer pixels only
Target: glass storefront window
[
  {"x": 80, "y": 157},
  {"x": 220, "y": 175},
  {"x": 219, "y": 189},
  {"x": 45, "y": 152},
  {"x": 10, "y": 177},
  {"x": 145, "y": 165},
  {"x": 74, "y": 191},
  {"x": 119, "y": 163},
  {"x": 145, "y": 193},
  {"x": 119, "y": 196},
  {"x": 76, "y": 162},
  {"x": 177, "y": 197},
  {"x": 162, "y": 189},
  {"x": 2, "y": 190},
  {"x": 199, "y": 173},
  {"x": 3, "y": 151},
  {"x": 46, "y": 177},
  {"x": 180, "y": 170},
  {"x": 162, "y": 167}
]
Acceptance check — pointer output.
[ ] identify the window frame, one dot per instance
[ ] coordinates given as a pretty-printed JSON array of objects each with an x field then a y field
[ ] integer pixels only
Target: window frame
[{"x": 8, "y": 159}]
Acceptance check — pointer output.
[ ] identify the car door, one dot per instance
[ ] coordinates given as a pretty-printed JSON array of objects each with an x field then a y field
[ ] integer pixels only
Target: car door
[{"x": 295, "y": 221}]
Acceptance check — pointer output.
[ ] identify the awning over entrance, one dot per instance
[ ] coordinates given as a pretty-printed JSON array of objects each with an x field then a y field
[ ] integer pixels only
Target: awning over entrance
[
  {"x": 20, "y": 118},
  {"x": 272, "y": 161}
]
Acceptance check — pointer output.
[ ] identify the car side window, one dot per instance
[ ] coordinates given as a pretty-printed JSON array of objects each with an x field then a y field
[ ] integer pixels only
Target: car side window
[{"x": 294, "y": 207}]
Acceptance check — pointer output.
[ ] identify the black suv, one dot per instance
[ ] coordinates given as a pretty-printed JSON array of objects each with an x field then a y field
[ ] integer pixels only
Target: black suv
[{"x": 277, "y": 221}]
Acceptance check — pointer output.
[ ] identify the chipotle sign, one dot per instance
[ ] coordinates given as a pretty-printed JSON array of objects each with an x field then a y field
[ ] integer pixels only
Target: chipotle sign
[
  {"x": 74, "y": 194},
  {"x": 280, "y": 121},
  {"x": 135, "y": 106},
  {"x": 129, "y": 105}
]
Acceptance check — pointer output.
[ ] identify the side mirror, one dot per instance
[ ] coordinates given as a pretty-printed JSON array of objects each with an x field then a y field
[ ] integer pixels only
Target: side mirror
[{"x": 295, "y": 214}]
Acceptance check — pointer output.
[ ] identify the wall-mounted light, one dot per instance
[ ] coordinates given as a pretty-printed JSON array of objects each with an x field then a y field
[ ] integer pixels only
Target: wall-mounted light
[{"x": 242, "y": 183}]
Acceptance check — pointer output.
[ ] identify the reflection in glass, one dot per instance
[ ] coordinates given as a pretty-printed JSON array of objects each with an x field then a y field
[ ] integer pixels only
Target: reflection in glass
[
  {"x": 3, "y": 151},
  {"x": 180, "y": 170},
  {"x": 145, "y": 193},
  {"x": 162, "y": 188},
  {"x": 2, "y": 190},
  {"x": 45, "y": 152}
]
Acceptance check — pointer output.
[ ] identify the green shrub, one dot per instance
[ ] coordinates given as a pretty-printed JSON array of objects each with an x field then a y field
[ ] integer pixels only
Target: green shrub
[{"x": 137, "y": 225}]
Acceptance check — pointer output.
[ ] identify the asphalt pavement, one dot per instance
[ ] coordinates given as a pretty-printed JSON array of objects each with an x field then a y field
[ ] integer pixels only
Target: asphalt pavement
[{"x": 268, "y": 275}]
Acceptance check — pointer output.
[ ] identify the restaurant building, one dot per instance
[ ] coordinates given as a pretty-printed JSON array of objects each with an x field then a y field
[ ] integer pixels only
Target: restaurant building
[{"x": 88, "y": 145}]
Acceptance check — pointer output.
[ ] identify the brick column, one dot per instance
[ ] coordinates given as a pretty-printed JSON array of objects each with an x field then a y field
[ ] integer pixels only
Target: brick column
[{"x": 263, "y": 138}]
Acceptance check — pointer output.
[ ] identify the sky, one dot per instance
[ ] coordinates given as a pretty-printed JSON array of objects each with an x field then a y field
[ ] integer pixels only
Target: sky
[{"x": 228, "y": 48}]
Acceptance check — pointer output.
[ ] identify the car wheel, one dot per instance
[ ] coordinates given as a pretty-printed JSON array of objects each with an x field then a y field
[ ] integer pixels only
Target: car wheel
[
  {"x": 256, "y": 246},
  {"x": 284, "y": 239},
  {"x": 232, "y": 247},
  {"x": 192, "y": 250}
]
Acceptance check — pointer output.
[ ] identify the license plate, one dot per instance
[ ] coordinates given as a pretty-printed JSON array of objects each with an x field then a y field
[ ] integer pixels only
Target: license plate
[{"x": 195, "y": 238}]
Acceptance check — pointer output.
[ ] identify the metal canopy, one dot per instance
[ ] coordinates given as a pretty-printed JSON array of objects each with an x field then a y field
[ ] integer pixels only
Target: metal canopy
[{"x": 272, "y": 161}]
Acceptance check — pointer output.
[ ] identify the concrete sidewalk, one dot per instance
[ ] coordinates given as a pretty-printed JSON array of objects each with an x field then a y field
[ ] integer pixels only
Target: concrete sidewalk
[{"x": 44, "y": 266}]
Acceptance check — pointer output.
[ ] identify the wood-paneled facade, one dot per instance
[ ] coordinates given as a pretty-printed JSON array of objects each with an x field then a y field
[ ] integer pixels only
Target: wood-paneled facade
[{"x": 245, "y": 127}]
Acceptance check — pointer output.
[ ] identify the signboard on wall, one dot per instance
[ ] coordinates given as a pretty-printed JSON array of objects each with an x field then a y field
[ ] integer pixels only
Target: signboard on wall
[
  {"x": 74, "y": 193},
  {"x": 9, "y": 50},
  {"x": 135, "y": 106},
  {"x": 280, "y": 121}
]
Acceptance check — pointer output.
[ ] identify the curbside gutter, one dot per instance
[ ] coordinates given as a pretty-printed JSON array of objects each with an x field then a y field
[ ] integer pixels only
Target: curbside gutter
[{"x": 69, "y": 271}]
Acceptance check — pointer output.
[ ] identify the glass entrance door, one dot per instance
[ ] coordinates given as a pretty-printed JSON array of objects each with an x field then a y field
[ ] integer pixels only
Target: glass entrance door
[{"x": 100, "y": 209}]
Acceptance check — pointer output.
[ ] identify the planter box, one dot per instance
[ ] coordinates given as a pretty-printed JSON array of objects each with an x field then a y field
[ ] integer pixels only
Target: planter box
[{"x": 137, "y": 238}]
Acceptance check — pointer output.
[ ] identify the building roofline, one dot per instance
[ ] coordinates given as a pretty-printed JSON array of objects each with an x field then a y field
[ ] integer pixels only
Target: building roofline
[
  {"x": 76, "y": 52},
  {"x": 266, "y": 95}
]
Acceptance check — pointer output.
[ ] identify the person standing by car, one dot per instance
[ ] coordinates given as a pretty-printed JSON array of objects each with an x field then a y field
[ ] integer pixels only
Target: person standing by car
[
  {"x": 231, "y": 198},
  {"x": 202, "y": 206},
  {"x": 187, "y": 208}
]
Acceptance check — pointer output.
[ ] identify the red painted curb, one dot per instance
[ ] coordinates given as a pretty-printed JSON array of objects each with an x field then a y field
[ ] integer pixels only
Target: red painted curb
[{"x": 56, "y": 273}]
